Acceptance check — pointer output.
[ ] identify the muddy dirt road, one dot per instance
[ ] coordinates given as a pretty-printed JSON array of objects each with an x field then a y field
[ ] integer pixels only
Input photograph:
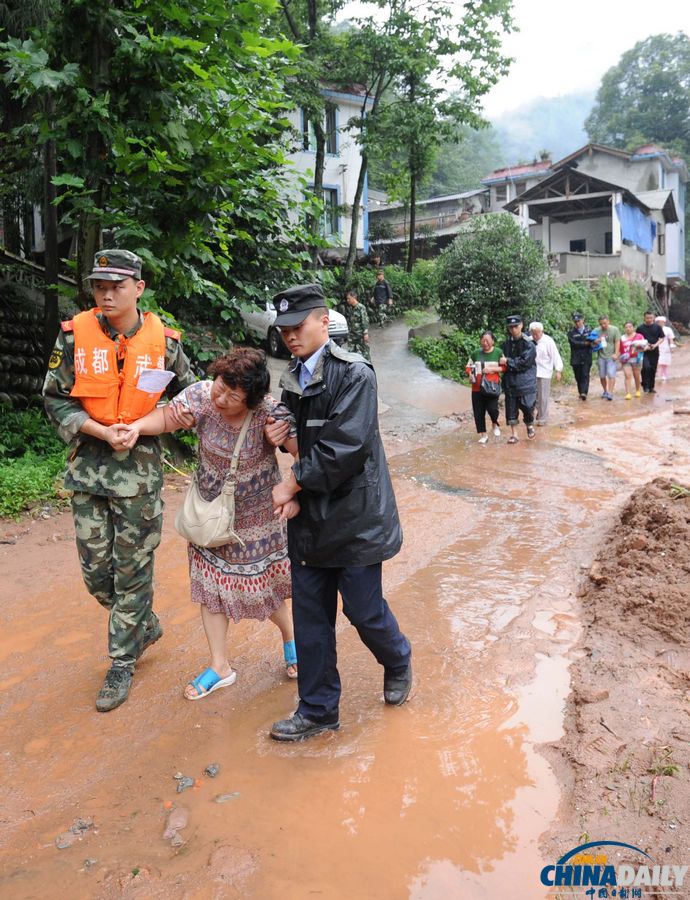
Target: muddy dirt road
[{"x": 445, "y": 797}]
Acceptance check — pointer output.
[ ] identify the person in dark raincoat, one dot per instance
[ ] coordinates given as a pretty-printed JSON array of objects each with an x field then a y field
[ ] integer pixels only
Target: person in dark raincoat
[
  {"x": 348, "y": 520},
  {"x": 520, "y": 377}
]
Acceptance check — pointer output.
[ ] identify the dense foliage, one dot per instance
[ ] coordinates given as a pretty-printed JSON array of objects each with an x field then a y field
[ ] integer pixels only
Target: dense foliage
[
  {"x": 28, "y": 475},
  {"x": 490, "y": 271},
  {"x": 646, "y": 96},
  {"x": 169, "y": 122},
  {"x": 411, "y": 290}
]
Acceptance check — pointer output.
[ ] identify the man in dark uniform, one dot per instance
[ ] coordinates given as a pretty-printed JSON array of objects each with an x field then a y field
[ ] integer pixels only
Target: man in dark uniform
[
  {"x": 382, "y": 298},
  {"x": 580, "y": 353},
  {"x": 91, "y": 386},
  {"x": 348, "y": 520},
  {"x": 520, "y": 377},
  {"x": 654, "y": 335}
]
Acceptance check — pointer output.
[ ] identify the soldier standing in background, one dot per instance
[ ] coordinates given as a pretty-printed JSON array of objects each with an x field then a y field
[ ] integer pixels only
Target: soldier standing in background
[
  {"x": 358, "y": 325},
  {"x": 382, "y": 298},
  {"x": 94, "y": 384}
]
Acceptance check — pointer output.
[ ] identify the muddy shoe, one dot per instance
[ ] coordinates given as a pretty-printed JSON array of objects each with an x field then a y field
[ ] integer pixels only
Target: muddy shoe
[
  {"x": 396, "y": 688},
  {"x": 153, "y": 633},
  {"x": 115, "y": 690},
  {"x": 298, "y": 728}
]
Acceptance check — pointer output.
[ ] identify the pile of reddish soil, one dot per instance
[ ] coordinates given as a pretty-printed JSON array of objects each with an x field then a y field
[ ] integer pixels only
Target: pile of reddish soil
[{"x": 624, "y": 755}]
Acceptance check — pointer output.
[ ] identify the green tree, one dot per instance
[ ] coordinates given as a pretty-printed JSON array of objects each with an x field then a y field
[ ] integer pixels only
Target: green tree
[
  {"x": 169, "y": 120},
  {"x": 309, "y": 22},
  {"x": 490, "y": 271},
  {"x": 646, "y": 95},
  {"x": 439, "y": 50}
]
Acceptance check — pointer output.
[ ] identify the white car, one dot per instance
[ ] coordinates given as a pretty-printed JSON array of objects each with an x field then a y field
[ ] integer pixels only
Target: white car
[{"x": 259, "y": 322}]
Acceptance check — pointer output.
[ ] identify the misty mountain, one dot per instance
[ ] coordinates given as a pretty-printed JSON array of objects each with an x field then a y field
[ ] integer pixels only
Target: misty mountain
[{"x": 555, "y": 124}]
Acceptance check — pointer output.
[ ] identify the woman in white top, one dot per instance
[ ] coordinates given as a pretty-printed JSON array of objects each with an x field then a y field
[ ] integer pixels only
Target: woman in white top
[{"x": 665, "y": 348}]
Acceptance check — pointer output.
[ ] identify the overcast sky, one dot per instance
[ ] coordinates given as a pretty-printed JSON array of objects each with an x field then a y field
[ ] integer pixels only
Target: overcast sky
[{"x": 563, "y": 47}]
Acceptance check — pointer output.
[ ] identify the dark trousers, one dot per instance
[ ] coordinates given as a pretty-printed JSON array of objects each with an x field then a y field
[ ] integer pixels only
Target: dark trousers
[
  {"x": 314, "y": 610},
  {"x": 526, "y": 402},
  {"x": 581, "y": 372},
  {"x": 481, "y": 405},
  {"x": 650, "y": 360}
]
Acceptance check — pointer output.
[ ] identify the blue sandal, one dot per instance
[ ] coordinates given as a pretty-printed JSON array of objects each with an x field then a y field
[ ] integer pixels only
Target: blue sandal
[
  {"x": 290, "y": 656},
  {"x": 208, "y": 682}
]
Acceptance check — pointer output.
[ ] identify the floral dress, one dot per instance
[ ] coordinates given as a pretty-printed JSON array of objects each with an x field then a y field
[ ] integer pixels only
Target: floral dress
[{"x": 247, "y": 582}]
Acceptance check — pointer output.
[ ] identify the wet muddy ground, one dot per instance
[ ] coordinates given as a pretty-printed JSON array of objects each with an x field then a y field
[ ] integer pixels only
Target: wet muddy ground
[{"x": 448, "y": 796}]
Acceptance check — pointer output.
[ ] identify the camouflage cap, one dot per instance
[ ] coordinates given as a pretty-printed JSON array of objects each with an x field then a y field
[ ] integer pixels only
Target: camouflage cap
[{"x": 115, "y": 265}]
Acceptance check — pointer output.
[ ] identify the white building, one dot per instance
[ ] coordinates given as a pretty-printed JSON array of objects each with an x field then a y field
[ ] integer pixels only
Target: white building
[
  {"x": 342, "y": 165},
  {"x": 602, "y": 211}
]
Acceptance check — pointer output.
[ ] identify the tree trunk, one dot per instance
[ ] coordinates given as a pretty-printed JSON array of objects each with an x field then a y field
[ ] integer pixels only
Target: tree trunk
[
  {"x": 89, "y": 231},
  {"x": 51, "y": 311},
  {"x": 413, "y": 221},
  {"x": 319, "y": 163},
  {"x": 354, "y": 227}
]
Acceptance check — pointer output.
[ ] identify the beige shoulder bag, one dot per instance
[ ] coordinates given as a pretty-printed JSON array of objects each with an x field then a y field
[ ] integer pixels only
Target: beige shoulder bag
[{"x": 211, "y": 523}]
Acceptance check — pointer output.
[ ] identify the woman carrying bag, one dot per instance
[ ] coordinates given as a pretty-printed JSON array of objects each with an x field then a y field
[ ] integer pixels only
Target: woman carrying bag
[
  {"x": 484, "y": 373},
  {"x": 248, "y": 577}
]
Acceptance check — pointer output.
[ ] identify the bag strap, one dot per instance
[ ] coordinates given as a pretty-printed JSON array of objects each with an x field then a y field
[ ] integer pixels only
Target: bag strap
[{"x": 230, "y": 477}]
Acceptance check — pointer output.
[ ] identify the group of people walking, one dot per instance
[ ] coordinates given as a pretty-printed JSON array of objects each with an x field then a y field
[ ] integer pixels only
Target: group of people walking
[
  {"x": 325, "y": 528},
  {"x": 641, "y": 350},
  {"x": 524, "y": 366}
]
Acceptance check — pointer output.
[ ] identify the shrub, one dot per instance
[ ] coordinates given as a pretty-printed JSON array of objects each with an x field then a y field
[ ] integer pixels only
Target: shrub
[
  {"x": 413, "y": 290},
  {"x": 32, "y": 457},
  {"x": 27, "y": 479},
  {"x": 447, "y": 355},
  {"x": 490, "y": 271}
]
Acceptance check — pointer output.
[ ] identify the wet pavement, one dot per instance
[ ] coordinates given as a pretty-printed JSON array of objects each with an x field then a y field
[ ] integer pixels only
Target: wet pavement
[{"x": 444, "y": 797}]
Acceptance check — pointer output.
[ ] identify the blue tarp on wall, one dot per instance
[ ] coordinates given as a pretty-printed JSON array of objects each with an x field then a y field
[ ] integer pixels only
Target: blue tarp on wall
[{"x": 636, "y": 226}]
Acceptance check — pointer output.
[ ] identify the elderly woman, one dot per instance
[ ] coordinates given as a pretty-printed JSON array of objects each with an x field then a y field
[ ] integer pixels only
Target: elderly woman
[
  {"x": 665, "y": 347},
  {"x": 234, "y": 581},
  {"x": 548, "y": 361}
]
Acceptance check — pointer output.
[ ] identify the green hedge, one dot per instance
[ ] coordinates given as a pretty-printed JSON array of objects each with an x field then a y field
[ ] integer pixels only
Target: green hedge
[
  {"x": 415, "y": 290},
  {"x": 32, "y": 457}
]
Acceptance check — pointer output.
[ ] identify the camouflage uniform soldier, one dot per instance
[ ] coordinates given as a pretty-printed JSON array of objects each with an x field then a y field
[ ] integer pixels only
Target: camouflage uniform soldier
[
  {"x": 91, "y": 388},
  {"x": 358, "y": 324}
]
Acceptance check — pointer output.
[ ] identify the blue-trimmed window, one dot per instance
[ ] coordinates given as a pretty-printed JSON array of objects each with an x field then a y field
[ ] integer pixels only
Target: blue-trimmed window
[
  {"x": 331, "y": 218},
  {"x": 330, "y": 124}
]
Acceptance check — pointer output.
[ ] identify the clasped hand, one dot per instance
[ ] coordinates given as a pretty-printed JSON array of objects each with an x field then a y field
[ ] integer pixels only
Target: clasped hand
[
  {"x": 276, "y": 431},
  {"x": 117, "y": 435}
]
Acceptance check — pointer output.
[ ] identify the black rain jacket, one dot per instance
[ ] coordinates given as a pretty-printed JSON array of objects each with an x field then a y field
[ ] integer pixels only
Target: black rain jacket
[
  {"x": 520, "y": 376},
  {"x": 580, "y": 347},
  {"x": 348, "y": 514}
]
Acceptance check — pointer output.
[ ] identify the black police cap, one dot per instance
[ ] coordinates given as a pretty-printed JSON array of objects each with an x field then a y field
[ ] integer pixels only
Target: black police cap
[
  {"x": 294, "y": 304},
  {"x": 513, "y": 320}
]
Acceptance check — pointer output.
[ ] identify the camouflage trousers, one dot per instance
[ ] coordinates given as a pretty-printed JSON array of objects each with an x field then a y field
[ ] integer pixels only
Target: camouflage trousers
[
  {"x": 116, "y": 540},
  {"x": 359, "y": 345}
]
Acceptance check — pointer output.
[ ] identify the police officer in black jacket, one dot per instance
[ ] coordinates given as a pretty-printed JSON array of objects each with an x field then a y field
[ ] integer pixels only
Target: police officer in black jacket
[
  {"x": 580, "y": 354},
  {"x": 348, "y": 520},
  {"x": 520, "y": 377}
]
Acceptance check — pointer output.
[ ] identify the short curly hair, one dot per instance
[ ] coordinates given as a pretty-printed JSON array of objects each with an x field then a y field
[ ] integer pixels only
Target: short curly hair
[{"x": 244, "y": 368}]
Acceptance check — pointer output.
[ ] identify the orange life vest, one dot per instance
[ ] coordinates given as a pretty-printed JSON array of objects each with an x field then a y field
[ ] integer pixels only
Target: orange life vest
[{"x": 107, "y": 394}]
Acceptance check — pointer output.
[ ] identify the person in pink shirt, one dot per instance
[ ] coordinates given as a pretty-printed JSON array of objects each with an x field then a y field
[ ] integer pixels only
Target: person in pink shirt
[{"x": 631, "y": 344}]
